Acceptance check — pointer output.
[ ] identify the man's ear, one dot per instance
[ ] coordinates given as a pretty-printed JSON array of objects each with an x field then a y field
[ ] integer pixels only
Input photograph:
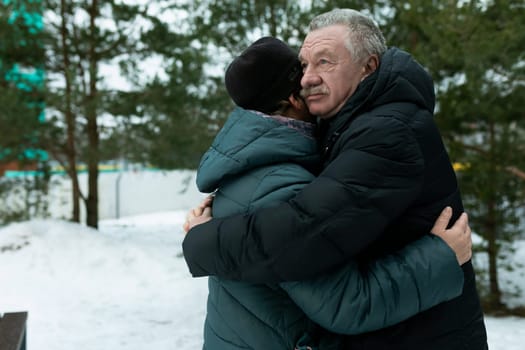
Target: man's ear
[{"x": 371, "y": 65}]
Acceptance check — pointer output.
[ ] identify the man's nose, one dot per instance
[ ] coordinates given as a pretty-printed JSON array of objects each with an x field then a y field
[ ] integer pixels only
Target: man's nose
[{"x": 310, "y": 78}]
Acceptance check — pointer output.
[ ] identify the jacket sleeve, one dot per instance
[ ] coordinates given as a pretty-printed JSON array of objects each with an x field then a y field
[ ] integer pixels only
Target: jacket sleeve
[
  {"x": 376, "y": 175},
  {"x": 357, "y": 299}
]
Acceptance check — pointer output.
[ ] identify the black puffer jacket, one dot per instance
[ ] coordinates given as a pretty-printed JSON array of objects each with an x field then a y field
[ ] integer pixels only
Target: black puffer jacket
[{"x": 386, "y": 177}]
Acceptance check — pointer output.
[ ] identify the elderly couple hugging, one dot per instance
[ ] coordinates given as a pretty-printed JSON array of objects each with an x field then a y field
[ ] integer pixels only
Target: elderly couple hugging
[{"x": 332, "y": 194}]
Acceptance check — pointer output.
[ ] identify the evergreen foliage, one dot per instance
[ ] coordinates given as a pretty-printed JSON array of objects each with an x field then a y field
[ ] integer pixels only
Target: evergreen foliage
[{"x": 474, "y": 51}]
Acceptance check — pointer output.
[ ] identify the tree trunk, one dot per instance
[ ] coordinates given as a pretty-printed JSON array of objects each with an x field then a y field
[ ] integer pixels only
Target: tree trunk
[
  {"x": 70, "y": 119},
  {"x": 492, "y": 250},
  {"x": 491, "y": 229},
  {"x": 92, "y": 127}
]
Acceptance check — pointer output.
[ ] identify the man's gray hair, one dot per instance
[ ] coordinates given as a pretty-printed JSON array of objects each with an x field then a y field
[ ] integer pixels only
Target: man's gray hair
[{"x": 364, "y": 36}]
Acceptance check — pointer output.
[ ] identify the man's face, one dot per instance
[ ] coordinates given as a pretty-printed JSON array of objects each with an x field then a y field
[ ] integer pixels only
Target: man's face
[{"x": 330, "y": 74}]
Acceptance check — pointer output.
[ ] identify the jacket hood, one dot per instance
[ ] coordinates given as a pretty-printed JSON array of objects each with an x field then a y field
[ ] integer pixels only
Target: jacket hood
[
  {"x": 399, "y": 78},
  {"x": 249, "y": 140}
]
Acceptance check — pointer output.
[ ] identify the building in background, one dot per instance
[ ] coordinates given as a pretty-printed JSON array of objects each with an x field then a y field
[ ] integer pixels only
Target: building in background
[{"x": 29, "y": 79}]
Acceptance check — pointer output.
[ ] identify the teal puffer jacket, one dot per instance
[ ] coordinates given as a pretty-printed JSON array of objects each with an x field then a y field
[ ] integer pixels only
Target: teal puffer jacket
[{"x": 258, "y": 161}]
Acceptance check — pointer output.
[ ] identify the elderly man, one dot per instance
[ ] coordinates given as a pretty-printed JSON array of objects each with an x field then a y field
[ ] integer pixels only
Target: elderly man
[{"x": 386, "y": 176}]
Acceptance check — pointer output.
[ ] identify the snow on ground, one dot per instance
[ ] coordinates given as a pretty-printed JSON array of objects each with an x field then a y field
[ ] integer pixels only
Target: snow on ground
[{"x": 124, "y": 287}]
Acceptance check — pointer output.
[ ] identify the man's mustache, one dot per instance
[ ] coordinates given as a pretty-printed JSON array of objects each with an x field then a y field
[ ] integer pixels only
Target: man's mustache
[{"x": 316, "y": 90}]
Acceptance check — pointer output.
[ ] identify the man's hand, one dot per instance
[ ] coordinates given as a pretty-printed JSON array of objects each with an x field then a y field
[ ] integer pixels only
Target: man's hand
[
  {"x": 458, "y": 237},
  {"x": 199, "y": 214}
]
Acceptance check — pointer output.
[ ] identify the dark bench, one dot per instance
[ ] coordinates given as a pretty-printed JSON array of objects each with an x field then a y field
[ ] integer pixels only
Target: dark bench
[{"x": 13, "y": 331}]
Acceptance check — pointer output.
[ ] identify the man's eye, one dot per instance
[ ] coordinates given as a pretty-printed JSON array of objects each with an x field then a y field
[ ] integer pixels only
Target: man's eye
[
  {"x": 323, "y": 61},
  {"x": 304, "y": 66}
]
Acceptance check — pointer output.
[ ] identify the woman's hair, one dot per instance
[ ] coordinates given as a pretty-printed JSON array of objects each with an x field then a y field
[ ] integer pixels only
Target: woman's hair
[
  {"x": 282, "y": 107},
  {"x": 364, "y": 36}
]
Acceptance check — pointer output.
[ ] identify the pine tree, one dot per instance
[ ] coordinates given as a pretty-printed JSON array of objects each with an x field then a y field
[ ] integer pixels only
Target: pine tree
[
  {"x": 84, "y": 38},
  {"x": 474, "y": 51}
]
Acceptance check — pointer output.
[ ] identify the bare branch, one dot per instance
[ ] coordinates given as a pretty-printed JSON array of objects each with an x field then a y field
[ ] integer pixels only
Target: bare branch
[{"x": 515, "y": 171}]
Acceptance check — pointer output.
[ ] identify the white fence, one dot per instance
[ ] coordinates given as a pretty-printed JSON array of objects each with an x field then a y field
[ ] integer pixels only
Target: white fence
[{"x": 129, "y": 193}]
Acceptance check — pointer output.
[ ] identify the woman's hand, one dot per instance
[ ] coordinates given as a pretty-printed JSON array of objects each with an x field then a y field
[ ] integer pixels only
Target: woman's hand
[{"x": 458, "y": 237}]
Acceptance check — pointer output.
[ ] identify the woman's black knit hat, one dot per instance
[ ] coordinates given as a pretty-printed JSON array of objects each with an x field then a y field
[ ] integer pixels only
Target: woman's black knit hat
[{"x": 267, "y": 72}]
